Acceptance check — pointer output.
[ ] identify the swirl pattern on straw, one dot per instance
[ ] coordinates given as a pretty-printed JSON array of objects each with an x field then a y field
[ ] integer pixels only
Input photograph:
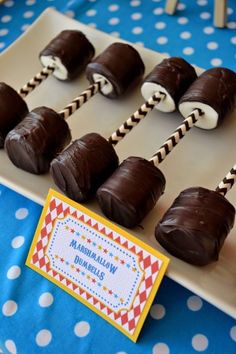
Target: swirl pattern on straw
[
  {"x": 82, "y": 98},
  {"x": 36, "y": 81},
  {"x": 227, "y": 183},
  {"x": 174, "y": 138},
  {"x": 135, "y": 118}
]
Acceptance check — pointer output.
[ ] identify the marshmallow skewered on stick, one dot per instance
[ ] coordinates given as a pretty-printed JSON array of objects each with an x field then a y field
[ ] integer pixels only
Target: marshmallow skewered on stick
[
  {"x": 65, "y": 57},
  {"x": 131, "y": 192},
  {"x": 80, "y": 169},
  {"x": 196, "y": 225},
  {"x": 43, "y": 133}
]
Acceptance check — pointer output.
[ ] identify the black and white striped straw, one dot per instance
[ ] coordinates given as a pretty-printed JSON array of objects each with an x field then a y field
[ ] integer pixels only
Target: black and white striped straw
[
  {"x": 174, "y": 138},
  {"x": 82, "y": 98},
  {"x": 227, "y": 183},
  {"x": 36, "y": 81},
  {"x": 135, "y": 118}
]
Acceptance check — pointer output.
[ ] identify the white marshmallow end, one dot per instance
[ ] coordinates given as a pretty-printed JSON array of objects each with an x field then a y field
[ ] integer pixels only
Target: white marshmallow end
[
  {"x": 208, "y": 121},
  {"x": 148, "y": 89},
  {"x": 106, "y": 89},
  {"x": 60, "y": 71}
]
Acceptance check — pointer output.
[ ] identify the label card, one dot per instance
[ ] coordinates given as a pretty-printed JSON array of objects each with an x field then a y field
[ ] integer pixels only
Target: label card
[{"x": 101, "y": 265}]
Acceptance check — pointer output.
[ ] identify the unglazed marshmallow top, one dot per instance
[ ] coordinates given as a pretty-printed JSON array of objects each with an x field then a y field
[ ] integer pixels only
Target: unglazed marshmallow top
[
  {"x": 172, "y": 76},
  {"x": 69, "y": 52},
  {"x": 214, "y": 93},
  {"x": 122, "y": 67}
]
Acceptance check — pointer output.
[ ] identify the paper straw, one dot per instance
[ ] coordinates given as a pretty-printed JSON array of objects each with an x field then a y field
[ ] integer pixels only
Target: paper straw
[{"x": 227, "y": 183}]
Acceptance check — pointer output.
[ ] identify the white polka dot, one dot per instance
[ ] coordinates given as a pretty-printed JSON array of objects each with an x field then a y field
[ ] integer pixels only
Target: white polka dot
[
  {"x": 91, "y": 12},
  {"x": 160, "y": 348},
  {"x": 137, "y": 30},
  {"x": 82, "y": 329},
  {"x": 115, "y": 34},
  {"x": 212, "y": 45},
  {"x": 185, "y": 35},
  {"x": 2, "y": 45},
  {"x": 25, "y": 27},
  {"x": 233, "y": 333},
  {"x": 11, "y": 347},
  {"x": 135, "y": 3},
  {"x": 114, "y": 21},
  {"x": 28, "y": 14},
  {"x": 202, "y": 2},
  {"x": 188, "y": 51},
  {"x": 158, "y": 11},
  {"x": 199, "y": 342},
  {"x": 141, "y": 44},
  {"x": 205, "y": 15},
  {"x": 46, "y": 299},
  {"x": 13, "y": 272},
  {"x": 9, "y": 3},
  {"x": 9, "y": 308},
  {"x": 181, "y": 6},
  {"x": 231, "y": 25},
  {"x": 17, "y": 241},
  {"x": 233, "y": 40},
  {"x": 70, "y": 13},
  {"x": 113, "y": 7},
  {"x": 208, "y": 30},
  {"x": 160, "y": 25},
  {"x": 43, "y": 337},
  {"x": 92, "y": 25},
  {"x": 157, "y": 311},
  {"x": 30, "y": 2},
  {"x": 3, "y": 32},
  {"x": 136, "y": 16},
  {"x": 194, "y": 303},
  {"x": 162, "y": 40},
  {"x": 121, "y": 353},
  {"x": 6, "y": 18},
  {"x": 216, "y": 62},
  {"x": 21, "y": 213},
  {"x": 157, "y": 0},
  {"x": 182, "y": 20},
  {"x": 230, "y": 11}
]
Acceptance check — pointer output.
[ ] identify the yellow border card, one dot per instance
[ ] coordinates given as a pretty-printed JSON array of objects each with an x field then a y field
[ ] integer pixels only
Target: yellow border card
[{"x": 104, "y": 267}]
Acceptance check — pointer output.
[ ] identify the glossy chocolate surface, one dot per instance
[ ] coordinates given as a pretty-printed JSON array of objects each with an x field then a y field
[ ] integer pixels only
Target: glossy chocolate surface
[
  {"x": 131, "y": 191},
  {"x": 12, "y": 110},
  {"x": 121, "y": 64},
  {"x": 194, "y": 228},
  {"x": 215, "y": 87},
  {"x": 175, "y": 75},
  {"x": 37, "y": 139},
  {"x": 80, "y": 169},
  {"x": 74, "y": 50}
]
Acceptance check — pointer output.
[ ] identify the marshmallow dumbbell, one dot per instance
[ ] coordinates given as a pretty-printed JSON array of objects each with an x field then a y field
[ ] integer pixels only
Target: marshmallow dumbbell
[
  {"x": 68, "y": 169},
  {"x": 196, "y": 225},
  {"x": 34, "y": 155},
  {"x": 65, "y": 57}
]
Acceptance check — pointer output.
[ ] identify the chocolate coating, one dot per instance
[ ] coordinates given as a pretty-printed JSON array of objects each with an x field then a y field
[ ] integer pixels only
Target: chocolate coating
[
  {"x": 36, "y": 140},
  {"x": 80, "y": 169},
  {"x": 215, "y": 87},
  {"x": 121, "y": 64},
  {"x": 175, "y": 75},
  {"x": 195, "y": 226},
  {"x": 12, "y": 110},
  {"x": 131, "y": 191},
  {"x": 74, "y": 50}
]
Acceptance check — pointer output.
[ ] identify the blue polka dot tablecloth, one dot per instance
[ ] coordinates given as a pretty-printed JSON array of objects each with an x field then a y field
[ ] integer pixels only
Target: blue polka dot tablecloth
[{"x": 35, "y": 315}]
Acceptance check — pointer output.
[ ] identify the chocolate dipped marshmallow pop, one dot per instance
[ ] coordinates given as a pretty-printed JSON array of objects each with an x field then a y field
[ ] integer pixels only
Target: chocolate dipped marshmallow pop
[
  {"x": 196, "y": 225},
  {"x": 134, "y": 188},
  {"x": 81, "y": 168},
  {"x": 65, "y": 57},
  {"x": 43, "y": 133}
]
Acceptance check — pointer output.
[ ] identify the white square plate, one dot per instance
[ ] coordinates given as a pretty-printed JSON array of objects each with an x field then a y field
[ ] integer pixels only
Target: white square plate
[{"x": 201, "y": 159}]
